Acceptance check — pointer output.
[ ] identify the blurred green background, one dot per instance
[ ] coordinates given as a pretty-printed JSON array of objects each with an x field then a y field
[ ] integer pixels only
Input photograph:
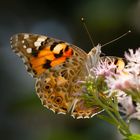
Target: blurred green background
[{"x": 22, "y": 117}]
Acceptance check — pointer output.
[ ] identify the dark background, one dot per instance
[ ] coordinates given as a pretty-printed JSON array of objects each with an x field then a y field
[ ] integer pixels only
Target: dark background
[{"x": 22, "y": 117}]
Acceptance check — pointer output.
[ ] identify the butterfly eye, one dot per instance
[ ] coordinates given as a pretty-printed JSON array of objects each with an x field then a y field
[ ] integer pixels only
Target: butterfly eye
[{"x": 58, "y": 100}]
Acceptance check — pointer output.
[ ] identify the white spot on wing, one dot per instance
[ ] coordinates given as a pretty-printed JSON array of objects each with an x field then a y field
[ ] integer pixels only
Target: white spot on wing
[
  {"x": 86, "y": 117},
  {"x": 79, "y": 117},
  {"x": 29, "y": 50},
  {"x": 24, "y": 46},
  {"x": 73, "y": 116},
  {"x": 46, "y": 106},
  {"x": 37, "y": 44},
  {"x": 58, "y": 47},
  {"x": 52, "y": 109},
  {"x": 61, "y": 113},
  {"x": 40, "y": 39}
]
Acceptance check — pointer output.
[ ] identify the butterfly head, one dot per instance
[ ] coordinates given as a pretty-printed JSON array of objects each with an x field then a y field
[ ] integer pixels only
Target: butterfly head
[{"x": 93, "y": 56}]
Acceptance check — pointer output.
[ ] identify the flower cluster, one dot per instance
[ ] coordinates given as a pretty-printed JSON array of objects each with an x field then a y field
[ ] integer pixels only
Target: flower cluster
[
  {"x": 128, "y": 79},
  {"x": 114, "y": 85}
]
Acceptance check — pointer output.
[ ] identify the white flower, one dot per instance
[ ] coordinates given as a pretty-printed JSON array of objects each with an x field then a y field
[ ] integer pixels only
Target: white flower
[
  {"x": 126, "y": 105},
  {"x": 130, "y": 109},
  {"x": 119, "y": 81},
  {"x": 133, "y": 57}
]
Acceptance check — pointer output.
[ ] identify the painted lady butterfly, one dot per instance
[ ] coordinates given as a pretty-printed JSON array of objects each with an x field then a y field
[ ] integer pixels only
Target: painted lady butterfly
[{"x": 57, "y": 66}]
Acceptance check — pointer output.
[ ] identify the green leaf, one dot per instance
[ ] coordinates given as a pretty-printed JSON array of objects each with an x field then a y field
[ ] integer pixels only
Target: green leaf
[{"x": 133, "y": 137}]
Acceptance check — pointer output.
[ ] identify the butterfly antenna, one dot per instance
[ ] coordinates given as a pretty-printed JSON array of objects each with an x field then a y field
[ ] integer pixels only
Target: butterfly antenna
[
  {"x": 117, "y": 38},
  {"x": 89, "y": 35}
]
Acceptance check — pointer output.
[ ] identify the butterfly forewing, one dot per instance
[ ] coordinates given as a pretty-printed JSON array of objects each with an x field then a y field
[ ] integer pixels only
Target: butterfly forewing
[{"x": 39, "y": 52}]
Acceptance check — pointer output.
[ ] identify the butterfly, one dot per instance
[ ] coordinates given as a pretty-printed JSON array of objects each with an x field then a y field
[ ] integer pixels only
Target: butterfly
[{"x": 57, "y": 67}]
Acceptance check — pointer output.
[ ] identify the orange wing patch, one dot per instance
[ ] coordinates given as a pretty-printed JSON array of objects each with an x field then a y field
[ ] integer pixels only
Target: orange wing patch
[{"x": 49, "y": 57}]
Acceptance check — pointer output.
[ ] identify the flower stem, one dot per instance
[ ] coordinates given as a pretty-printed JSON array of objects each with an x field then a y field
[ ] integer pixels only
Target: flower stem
[{"x": 112, "y": 111}]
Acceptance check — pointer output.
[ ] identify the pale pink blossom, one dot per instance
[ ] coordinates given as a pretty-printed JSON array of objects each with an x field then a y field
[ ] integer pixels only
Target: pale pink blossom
[
  {"x": 119, "y": 81},
  {"x": 126, "y": 105},
  {"x": 129, "y": 78},
  {"x": 105, "y": 67},
  {"x": 133, "y": 56}
]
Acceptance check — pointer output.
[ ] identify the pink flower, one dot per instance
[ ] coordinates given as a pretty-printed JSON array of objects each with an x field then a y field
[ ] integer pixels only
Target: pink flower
[
  {"x": 105, "y": 67},
  {"x": 129, "y": 78},
  {"x": 118, "y": 81}
]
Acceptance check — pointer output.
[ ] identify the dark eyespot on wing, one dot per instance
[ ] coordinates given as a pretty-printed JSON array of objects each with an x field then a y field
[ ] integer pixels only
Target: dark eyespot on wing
[
  {"x": 47, "y": 65},
  {"x": 47, "y": 87},
  {"x": 35, "y": 52}
]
